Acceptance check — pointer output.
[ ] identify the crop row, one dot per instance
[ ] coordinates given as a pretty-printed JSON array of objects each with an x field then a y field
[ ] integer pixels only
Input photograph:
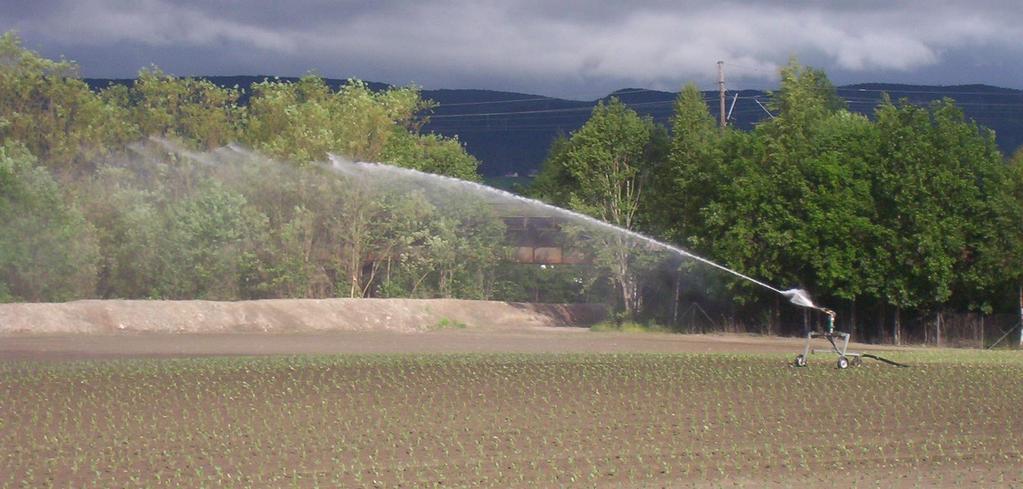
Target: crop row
[{"x": 506, "y": 420}]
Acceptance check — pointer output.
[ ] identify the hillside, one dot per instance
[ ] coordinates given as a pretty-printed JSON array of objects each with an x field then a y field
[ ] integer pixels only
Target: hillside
[
  {"x": 513, "y": 136},
  {"x": 511, "y": 132}
]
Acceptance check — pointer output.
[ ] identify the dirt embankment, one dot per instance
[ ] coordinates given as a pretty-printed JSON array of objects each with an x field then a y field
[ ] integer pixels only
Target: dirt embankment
[{"x": 286, "y": 315}]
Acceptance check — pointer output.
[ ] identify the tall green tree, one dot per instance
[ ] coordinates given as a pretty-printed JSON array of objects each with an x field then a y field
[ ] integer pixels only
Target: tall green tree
[
  {"x": 48, "y": 250},
  {"x": 305, "y": 121},
  {"x": 607, "y": 165},
  {"x": 191, "y": 110},
  {"x": 208, "y": 242},
  {"x": 757, "y": 214},
  {"x": 943, "y": 194},
  {"x": 686, "y": 180},
  {"x": 839, "y": 239},
  {"x": 129, "y": 225},
  {"x": 430, "y": 153},
  {"x": 46, "y": 107},
  {"x": 554, "y": 175}
]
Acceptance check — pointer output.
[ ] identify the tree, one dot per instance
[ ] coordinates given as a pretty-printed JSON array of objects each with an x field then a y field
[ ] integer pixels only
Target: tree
[
  {"x": 840, "y": 240},
  {"x": 757, "y": 215},
  {"x": 942, "y": 196},
  {"x": 47, "y": 249},
  {"x": 430, "y": 153},
  {"x": 606, "y": 164},
  {"x": 47, "y": 108},
  {"x": 361, "y": 226},
  {"x": 195, "y": 111},
  {"x": 465, "y": 244},
  {"x": 804, "y": 97},
  {"x": 305, "y": 121},
  {"x": 129, "y": 225},
  {"x": 986, "y": 264},
  {"x": 805, "y": 100},
  {"x": 206, "y": 244},
  {"x": 791, "y": 203},
  {"x": 296, "y": 204},
  {"x": 689, "y": 177},
  {"x": 554, "y": 176}
]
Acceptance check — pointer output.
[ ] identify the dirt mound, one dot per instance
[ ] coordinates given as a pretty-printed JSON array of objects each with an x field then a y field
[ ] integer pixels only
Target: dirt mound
[{"x": 287, "y": 315}]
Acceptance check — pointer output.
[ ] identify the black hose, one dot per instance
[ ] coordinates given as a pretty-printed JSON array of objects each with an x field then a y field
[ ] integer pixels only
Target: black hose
[{"x": 885, "y": 360}]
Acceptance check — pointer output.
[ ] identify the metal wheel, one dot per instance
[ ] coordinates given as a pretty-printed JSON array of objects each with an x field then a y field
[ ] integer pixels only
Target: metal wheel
[
  {"x": 800, "y": 361},
  {"x": 843, "y": 362}
]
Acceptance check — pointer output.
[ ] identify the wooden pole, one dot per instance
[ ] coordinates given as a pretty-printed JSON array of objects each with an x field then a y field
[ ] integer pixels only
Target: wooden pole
[
  {"x": 678, "y": 291},
  {"x": 852, "y": 317},
  {"x": 897, "y": 327},
  {"x": 1021, "y": 316},
  {"x": 982, "y": 331},
  {"x": 721, "y": 92}
]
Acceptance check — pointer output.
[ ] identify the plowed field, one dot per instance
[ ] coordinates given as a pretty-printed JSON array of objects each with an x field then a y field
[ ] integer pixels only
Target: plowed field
[{"x": 606, "y": 415}]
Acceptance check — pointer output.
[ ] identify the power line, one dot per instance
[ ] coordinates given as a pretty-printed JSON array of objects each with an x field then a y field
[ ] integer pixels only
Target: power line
[
  {"x": 979, "y": 109},
  {"x": 708, "y": 97},
  {"x": 1018, "y": 93},
  {"x": 548, "y": 99},
  {"x": 586, "y": 108}
]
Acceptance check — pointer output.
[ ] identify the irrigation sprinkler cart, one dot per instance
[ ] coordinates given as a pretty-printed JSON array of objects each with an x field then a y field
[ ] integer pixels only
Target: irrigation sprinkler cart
[
  {"x": 840, "y": 348},
  {"x": 845, "y": 357}
]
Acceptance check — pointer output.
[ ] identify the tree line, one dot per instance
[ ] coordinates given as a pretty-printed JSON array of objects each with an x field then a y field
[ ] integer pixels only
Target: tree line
[
  {"x": 121, "y": 193},
  {"x": 908, "y": 213},
  {"x": 139, "y": 192}
]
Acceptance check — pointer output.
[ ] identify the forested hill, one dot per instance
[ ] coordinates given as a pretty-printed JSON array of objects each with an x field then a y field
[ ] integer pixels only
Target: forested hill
[
  {"x": 511, "y": 132},
  {"x": 512, "y": 135}
]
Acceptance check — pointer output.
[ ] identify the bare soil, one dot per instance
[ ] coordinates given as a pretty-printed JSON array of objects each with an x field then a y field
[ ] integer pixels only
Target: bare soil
[
  {"x": 506, "y": 420},
  {"x": 285, "y": 315},
  {"x": 512, "y": 340},
  {"x": 121, "y": 328},
  {"x": 474, "y": 394}
]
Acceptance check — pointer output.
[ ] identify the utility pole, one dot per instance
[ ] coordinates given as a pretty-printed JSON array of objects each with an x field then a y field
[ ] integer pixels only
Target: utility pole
[{"x": 721, "y": 92}]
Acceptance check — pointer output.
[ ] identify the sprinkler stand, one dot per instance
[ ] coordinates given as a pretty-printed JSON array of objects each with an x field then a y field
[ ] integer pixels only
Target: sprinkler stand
[{"x": 840, "y": 348}]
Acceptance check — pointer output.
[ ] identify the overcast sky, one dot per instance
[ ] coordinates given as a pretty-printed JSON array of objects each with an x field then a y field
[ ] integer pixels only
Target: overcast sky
[{"x": 572, "y": 49}]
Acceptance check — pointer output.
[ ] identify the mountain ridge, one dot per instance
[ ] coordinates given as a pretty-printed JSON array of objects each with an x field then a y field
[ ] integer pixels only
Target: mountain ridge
[{"x": 511, "y": 132}]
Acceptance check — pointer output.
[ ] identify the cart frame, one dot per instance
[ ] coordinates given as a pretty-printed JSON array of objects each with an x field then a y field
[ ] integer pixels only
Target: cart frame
[{"x": 840, "y": 348}]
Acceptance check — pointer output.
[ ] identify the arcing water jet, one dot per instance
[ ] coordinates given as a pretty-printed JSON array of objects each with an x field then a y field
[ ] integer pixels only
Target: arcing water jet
[{"x": 798, "y": 297}]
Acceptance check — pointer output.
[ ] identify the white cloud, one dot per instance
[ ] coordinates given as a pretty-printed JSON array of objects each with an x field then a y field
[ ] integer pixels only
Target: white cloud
[
  {"x": 519, "y": 42},
  {"x": 152, "y": 22}
]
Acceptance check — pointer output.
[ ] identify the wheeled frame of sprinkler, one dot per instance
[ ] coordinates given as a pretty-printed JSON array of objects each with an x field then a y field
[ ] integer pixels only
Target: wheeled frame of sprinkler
[
  {"x": 839, "y": 346},
  {"x": 845, "y": 357}
]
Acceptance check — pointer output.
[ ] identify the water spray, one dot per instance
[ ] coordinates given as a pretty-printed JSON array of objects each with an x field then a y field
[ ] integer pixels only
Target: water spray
[
  {"x": 839, "y": 341},
  {"x": 341, "y": 165},
  {"x": 798, "y": 297}
]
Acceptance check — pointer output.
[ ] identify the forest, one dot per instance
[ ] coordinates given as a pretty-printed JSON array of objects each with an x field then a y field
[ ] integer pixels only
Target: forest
[{"x": 173, "y": 188}]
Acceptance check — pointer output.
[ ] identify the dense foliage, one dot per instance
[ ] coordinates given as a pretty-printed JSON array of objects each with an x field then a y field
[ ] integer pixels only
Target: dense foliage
[
  {"x": 603, "y": 171},
  {"x": 913, "y": 211},
  {"x": 87, "y": 211}
]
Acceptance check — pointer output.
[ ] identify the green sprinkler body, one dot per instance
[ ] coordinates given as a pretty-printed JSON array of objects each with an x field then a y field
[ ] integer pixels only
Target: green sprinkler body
[{"x": 831, "y": 321}]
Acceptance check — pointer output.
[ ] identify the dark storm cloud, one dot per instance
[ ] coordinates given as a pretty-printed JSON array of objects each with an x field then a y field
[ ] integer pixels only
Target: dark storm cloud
[{"x": 570, "y": 48}]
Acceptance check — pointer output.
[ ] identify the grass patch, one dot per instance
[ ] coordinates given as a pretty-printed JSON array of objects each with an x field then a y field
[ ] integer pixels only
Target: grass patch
[
  {"x": 628, "y": 327},
  {"x": 446, "y": 323}
]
